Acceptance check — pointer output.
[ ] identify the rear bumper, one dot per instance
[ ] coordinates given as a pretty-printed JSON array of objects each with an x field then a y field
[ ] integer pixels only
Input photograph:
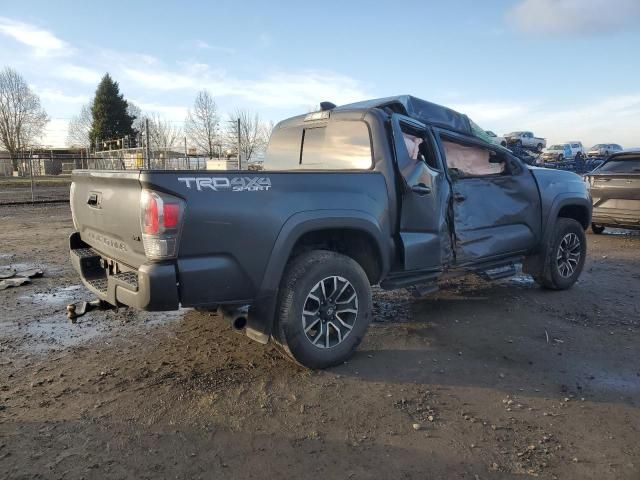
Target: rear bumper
[
  {"x": 616, "y": 218},
  {"x": 151, "y": 287}
]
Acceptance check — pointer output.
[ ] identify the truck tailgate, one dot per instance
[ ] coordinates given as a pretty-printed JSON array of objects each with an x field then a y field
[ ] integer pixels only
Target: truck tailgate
[{"x": 106, "y": 212}]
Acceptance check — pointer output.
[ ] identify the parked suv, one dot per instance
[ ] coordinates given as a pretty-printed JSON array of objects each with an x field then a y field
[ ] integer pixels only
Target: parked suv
[
  {"x": 603, "y": 150},
  {"x": 615, "y": 190},
  {"x": 396, "y": 191},
  {"x": 525, "y": 140},
  {"x": 556, "y": 153}
]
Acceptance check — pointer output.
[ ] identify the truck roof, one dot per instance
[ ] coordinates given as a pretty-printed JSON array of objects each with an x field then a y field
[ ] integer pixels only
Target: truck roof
[{"x": 421, "y": 110}]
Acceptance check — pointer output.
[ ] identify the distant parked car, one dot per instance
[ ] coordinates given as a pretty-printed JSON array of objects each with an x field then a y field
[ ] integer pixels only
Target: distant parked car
[
  {"x": 615, "y": 192},
  {"x": 603, "y": 150},
  {"x": 526, "y": 140},
  {"x": 577, "y": 150},
  {"x": 556, "y": 153},
  {"x": 496, "y": 139}
]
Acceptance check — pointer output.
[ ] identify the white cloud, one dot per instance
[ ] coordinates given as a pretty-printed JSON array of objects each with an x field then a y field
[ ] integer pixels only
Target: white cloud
[
  {"x": 567, "y": 17},
  {"x": 173, "y": 113},
  {"x": 613, "y": 119},
  {"x": 202, "y": 45},
  {"x": 42, "y": 42},
  {"x": 56, "y": 95},
  {"x": 77, "y": 73},
  {"x": 279, "y": 89}
]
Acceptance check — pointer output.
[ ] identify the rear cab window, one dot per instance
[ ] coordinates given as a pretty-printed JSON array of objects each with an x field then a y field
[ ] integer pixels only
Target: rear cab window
[{"x": 335, "y": 145}]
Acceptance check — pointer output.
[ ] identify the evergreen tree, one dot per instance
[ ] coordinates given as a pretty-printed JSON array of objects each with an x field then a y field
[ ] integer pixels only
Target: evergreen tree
[{"x": 109, "y": 112}]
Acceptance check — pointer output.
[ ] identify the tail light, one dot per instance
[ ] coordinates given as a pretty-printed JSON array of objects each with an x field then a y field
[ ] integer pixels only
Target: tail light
[{"x": 161, "y": 217}]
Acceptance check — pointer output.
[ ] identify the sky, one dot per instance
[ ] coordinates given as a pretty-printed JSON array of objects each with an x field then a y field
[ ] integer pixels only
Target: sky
[{"x": 565, "y": 69}]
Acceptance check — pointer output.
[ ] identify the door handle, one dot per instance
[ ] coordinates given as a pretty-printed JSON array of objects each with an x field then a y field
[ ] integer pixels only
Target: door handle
[
  {"x": 459, "y": 197},
  {"x": 421, "y": 189}
]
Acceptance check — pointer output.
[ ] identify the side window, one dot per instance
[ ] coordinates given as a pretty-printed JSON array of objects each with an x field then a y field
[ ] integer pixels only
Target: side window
[
  {"x": 470, "y": 161},
  {"x": 419, "y": 148},
  {"x": 337, "y": 146}
]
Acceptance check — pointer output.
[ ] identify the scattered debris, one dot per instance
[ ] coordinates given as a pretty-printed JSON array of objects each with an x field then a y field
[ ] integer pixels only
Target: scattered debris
[
  {"x": 13, "y": 282},
  {"x": 12, "y": 278}
]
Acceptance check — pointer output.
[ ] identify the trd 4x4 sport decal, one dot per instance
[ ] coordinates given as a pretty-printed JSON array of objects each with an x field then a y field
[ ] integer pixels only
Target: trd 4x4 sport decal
[{"x": 224, "y": 184}]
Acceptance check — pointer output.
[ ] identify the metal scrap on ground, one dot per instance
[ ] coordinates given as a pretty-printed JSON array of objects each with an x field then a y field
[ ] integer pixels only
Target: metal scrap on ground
[{"x": 11, "y": 278}]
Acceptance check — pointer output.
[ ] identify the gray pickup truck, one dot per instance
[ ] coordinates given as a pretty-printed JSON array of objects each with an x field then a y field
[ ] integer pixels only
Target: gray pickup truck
[{"x": 398, "y": 192}]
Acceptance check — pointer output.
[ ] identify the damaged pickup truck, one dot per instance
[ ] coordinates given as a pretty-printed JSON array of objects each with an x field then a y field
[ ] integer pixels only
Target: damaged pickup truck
[{"x": 398, "y": 192}]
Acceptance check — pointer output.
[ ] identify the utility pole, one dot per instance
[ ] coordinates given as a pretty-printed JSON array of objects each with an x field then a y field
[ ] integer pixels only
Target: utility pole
[
  {"x": 239, "y": 143},
  {"x": 33, "y": 196},
  {"x": 186, "y": 157},
  {"x": 146, "y": 145}
]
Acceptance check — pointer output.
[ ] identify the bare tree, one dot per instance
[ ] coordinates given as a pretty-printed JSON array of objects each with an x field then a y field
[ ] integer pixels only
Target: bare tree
[
  {"x": 251, "y": 136},
  {"x": 79, "y": 128},
  {"x": 163, "y": 134},
  {"x": 202, "y": 122},
  {"x": 22, "y": 118}
]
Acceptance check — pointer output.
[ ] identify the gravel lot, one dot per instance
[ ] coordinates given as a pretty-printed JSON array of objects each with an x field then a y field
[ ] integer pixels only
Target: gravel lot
[
  {"x": 479, "y": 381},
  {"x": 45, "y": 189}
]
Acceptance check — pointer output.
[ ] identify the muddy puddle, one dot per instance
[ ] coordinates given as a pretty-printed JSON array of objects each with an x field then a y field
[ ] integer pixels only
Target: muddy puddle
[
  {"x": 58, "y": 296},
  {"x": 51, "y": 330}
]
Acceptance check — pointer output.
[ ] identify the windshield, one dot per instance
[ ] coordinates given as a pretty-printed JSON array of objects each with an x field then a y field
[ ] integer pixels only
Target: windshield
[
  {"x": 491, "y": 134},
  {"x": 621, "y": 165},
  {"x": 597, "y": 147},
  {"x": 479, "y": 132},
  {"x": 556, "y": 147},
  {"x": 513, "y": 134}
]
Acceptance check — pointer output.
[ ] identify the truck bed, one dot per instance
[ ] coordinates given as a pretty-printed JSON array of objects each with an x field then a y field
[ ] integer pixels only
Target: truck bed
[{"x": 232, "y": 224}]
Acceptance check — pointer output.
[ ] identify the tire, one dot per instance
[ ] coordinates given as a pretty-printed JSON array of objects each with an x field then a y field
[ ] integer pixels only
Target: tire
[
  {"x": 518, "y": 143},
  {"x": 561, "y": 273},
  {"x": 327, "y": 336},
  {"x": 597, "y": 229},
  {"x": 560, "y": 158},
  {"x": 539, "y": 148}
]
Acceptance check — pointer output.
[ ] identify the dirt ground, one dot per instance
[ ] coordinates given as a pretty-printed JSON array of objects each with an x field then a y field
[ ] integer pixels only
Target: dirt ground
[
  {"x": 45, "y": 188},
  {"x": 478, "y": 381}
]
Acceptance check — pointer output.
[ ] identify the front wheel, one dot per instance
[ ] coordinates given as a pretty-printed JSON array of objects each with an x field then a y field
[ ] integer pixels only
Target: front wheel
[
  {"x": 597, "y": 229},
  {"x": 324, "y": 308},
  {"x": 539, "y": 147},
  {"x": 564, "y": 257}
]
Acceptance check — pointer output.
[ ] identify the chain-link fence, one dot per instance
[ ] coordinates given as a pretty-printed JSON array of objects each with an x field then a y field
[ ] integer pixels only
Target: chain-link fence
[{"x": 45, "y": 175}]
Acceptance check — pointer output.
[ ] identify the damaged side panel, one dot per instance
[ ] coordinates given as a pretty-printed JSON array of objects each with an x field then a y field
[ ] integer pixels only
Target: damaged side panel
[
  {"x": 494, "y": 217},
  {"x": 494, "y": 214}
]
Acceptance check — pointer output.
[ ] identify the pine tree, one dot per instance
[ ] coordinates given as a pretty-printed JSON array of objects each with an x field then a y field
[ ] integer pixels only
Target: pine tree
[{"x": 109, "y": 112}]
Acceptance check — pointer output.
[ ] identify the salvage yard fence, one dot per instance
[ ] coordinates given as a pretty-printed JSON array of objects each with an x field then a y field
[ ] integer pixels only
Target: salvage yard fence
[{"x": 44, "y": 175}]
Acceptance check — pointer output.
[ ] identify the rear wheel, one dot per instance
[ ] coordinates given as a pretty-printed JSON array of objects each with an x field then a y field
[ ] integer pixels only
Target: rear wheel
[
  {"x": 564, "y": 256},
  {"x": 597, "y": 229},
  {"x": 324, "y": 308},
  {"x": 539, "y": 147}
]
